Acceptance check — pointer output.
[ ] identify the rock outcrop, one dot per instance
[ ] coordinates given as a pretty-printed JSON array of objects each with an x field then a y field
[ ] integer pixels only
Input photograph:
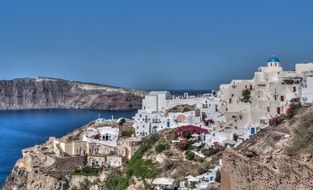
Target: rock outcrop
[
  {"x": 41, "y": 169},
  {"x": 51, "y": 93},
  {"x": 263, "y": 162}
]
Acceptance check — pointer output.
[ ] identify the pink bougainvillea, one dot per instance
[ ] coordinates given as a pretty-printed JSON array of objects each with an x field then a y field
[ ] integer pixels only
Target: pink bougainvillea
[{"x": 191, "y": 129}]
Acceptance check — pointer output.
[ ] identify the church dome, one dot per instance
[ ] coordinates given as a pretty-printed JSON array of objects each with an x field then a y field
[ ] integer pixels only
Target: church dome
[{"x": 273, "y": 59}]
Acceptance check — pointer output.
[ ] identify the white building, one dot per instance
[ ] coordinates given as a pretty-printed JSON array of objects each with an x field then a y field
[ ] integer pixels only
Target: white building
[
  {"x": 240, "y": 109},
  {"x": 306, "y": 91},
  {"x": 103, "y": 135},
  {"x": 271, "y": 90},
  {"x": 157, "y": 112}
]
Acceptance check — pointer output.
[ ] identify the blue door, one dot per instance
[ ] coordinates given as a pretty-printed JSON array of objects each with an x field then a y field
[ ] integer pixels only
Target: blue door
[
  {"x": 168, "y": 124},
  {"x": 252, "y": 130}
]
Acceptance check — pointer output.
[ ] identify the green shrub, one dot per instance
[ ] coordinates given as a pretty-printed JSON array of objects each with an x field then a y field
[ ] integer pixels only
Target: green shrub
[
  {"x": 210, "y": 151},
  {"x": 135, "y": 167},
  {"x": 88, "y": 171},
  {"x": 114, "y": 179},
  {"x": 190, "y": 143},
  {"x": 190, "y": 155},
  {"x": 161, "y": 147},
  {"x": 122, "y": 183},
  {"x": 187, "y": 134}
]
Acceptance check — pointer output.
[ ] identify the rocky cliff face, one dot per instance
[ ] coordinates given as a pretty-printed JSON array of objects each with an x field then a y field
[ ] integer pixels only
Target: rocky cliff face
[
  {"x": 41, "y": 169},
  {"x": 263, "y": 162},
  {"x": 50, "y": 93}
]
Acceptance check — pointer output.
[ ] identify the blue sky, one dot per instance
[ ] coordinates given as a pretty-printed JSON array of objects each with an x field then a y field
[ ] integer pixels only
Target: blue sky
[{"x": 160, "y": 44}]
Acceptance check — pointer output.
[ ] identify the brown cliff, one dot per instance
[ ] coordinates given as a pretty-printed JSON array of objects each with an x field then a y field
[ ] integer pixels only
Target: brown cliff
[{"x": 51, "y": 93}]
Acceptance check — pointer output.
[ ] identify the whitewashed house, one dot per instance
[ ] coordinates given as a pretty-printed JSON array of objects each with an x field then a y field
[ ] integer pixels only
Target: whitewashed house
[
  {"x": 155, "y": 115},
  {"x": 271, "y": 90},
  {"x": 306, "y": 91},
  {"x": 103, "y": 135}
]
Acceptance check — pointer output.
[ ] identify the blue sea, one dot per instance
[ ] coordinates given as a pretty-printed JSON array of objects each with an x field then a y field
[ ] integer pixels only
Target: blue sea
[{"x": 22, "y": 129}]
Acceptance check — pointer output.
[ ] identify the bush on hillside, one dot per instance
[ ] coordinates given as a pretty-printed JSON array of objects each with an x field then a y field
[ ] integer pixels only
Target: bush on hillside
[
  {"x": 113, "y": 179},
  {"x": 161, "y": 147},
  {"x": 187, "y": 134},
  {"x": 135, "y": 167},
  {"x": 88, "y": 171},
  {"x": 190, "y": 155}
]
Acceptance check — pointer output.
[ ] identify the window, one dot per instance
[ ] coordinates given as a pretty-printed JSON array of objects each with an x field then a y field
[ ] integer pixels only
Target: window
[
  {"x": 278, "y": 110},
  {"x": 268, "y": 109},
  {"x": 294, "y": 89},
  {"x": 282, "y": 98}
]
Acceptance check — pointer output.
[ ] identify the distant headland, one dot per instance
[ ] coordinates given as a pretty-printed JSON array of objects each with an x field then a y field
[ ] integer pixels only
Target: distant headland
[{"x": 54, "y": 93}]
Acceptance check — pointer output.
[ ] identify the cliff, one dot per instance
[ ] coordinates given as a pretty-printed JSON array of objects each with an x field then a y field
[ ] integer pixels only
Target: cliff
[
  {"x": 51, "y": 93},
  {"x": 276, "y": 158}
]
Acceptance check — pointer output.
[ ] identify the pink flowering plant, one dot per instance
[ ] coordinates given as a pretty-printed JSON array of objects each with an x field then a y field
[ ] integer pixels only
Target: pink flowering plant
[{"x": 290, "y": 112}]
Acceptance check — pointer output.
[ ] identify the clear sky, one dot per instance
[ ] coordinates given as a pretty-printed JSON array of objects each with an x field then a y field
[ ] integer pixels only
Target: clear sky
[{"x": 152, "y": 44}]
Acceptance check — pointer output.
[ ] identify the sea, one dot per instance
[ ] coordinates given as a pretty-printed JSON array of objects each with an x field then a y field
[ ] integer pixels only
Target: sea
[{"x": 27, "y": 128}]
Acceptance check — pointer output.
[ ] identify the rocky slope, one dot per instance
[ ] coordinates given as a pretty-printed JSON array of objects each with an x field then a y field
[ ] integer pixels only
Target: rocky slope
[
  {"x": 277, "y": 158},
  {"x": 51, "y": 93},
  {"x": 40, "y": 169}
]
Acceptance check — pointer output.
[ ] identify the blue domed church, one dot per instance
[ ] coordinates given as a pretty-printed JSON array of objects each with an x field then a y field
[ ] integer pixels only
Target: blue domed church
[{"x": 273, "y": 61}]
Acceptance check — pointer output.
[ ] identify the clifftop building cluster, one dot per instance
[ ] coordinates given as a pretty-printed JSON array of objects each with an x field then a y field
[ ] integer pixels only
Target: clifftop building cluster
[
  {"x": 229, "y": 116},
  {"x": 239, "y": 108}
]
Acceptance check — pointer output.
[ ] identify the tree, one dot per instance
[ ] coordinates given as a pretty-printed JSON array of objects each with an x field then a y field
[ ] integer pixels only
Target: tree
[
  {"x": 246, "y": 95},
  {"x": 187, "y": 134}
]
